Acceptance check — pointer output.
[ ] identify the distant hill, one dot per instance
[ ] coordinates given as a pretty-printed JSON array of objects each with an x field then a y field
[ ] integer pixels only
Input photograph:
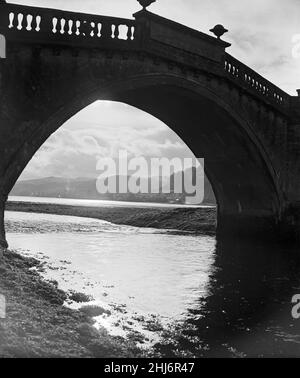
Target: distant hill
[{"x": 85, "y": 188}]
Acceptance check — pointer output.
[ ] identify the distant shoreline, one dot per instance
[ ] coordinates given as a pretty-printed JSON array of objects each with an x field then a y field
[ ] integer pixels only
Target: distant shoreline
[
  {"x": 196, "y": 220},
  {"x": 104, "y": 203}
]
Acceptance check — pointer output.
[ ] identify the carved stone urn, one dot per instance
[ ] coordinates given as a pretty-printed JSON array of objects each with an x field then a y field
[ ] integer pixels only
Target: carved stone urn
[{"x": 146, "y": 3}]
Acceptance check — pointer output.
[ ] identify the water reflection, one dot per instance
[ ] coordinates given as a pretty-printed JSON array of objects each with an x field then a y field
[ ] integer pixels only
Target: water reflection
[
  {"x": 248, "y": 308},
  {"x": 232, "y": 299}
]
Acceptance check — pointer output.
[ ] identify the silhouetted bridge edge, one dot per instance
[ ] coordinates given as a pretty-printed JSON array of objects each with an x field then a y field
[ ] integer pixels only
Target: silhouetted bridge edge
[
  {"x": 180, "y": 48},
  {"x": 35, "y": 25}
]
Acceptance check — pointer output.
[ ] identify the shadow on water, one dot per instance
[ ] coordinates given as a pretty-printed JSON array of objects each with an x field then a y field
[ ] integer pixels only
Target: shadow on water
[{"x": 247, "y": 312}]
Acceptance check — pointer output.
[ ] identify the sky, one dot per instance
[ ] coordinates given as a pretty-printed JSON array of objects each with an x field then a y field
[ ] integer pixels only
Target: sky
[
  {"x": 99, "y": 131},
  {"x": 263, "y": 34}
]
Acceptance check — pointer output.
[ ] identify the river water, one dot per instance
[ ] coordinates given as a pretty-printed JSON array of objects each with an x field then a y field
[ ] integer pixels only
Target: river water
[
  {"x": 133, "y": 273},
  {"x": 178, "y": 293}
]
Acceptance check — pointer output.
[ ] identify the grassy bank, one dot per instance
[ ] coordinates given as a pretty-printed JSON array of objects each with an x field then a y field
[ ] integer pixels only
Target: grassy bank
[
  {"x": 197, "y": 220},
  {"x": 38, "y": 325}
]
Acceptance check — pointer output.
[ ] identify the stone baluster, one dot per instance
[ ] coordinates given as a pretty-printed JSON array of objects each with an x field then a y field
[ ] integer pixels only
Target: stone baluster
[
  {"x": 72, "y": 27},
  {"x": 34, "y": 22},
  {"x": 106, "y": 30},
  {"x": 20, "y": 21},
  {"x": 117, "y": 31},
  {"x": 84, "y": 28},
  {"x": 128, "y": 34}
]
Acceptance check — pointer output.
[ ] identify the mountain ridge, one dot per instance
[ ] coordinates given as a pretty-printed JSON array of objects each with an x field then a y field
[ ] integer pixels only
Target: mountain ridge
[{"x": 85, "y": 188}]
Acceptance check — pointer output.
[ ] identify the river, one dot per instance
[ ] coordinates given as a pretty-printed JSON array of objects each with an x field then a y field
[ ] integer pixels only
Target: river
[
  {"x": 131, "y": 272},
  {"x": 100, "y": 203},
  {"x": 172, "y": 291}
]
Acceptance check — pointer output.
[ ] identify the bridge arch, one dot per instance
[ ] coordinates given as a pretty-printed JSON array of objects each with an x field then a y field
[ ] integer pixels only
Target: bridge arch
[{"x": 236, "y": 163}]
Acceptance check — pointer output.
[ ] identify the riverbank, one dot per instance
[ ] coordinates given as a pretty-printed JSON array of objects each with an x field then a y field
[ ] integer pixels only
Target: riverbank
[
  {"x": 37, "y": 323},
  {"x": 196, "y": 220}
]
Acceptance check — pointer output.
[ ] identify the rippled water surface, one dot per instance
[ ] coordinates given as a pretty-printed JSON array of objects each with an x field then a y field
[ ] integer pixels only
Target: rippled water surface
[
  {"x": 141, "y": 271},
  {"x": 176, "y": 292}
]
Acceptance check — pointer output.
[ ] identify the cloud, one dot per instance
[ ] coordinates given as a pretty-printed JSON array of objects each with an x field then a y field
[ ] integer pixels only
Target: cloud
[{"x": 101, "y": 130}]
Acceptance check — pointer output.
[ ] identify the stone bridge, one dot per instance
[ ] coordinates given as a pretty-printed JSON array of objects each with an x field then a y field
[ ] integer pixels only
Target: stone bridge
[{"x": 247, "y": 129}]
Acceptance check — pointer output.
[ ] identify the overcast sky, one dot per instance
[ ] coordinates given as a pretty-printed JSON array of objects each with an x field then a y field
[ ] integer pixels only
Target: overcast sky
[{"x": 261, "y": 33}]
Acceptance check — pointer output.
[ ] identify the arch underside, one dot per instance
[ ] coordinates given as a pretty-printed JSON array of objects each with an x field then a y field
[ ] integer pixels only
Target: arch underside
[
  {"x": 242, "y": 179},
  {"x": 239, "y": 173}
]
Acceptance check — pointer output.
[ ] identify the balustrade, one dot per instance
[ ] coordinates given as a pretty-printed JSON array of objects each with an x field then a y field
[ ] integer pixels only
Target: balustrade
[
  {"x": 56, "y": 26},
  {"x": 248, "y": 78},
  {"x": 25, "y": 19}
]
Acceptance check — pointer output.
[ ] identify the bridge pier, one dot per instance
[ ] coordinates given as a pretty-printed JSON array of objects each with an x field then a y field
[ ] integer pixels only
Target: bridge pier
[
  {"x": 261, "y": 227},
  {"x": 253, "y": 226}
]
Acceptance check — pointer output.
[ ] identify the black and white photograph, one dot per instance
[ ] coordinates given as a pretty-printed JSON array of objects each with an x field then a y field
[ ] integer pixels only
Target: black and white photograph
[{"x": 149, "y": 182}]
